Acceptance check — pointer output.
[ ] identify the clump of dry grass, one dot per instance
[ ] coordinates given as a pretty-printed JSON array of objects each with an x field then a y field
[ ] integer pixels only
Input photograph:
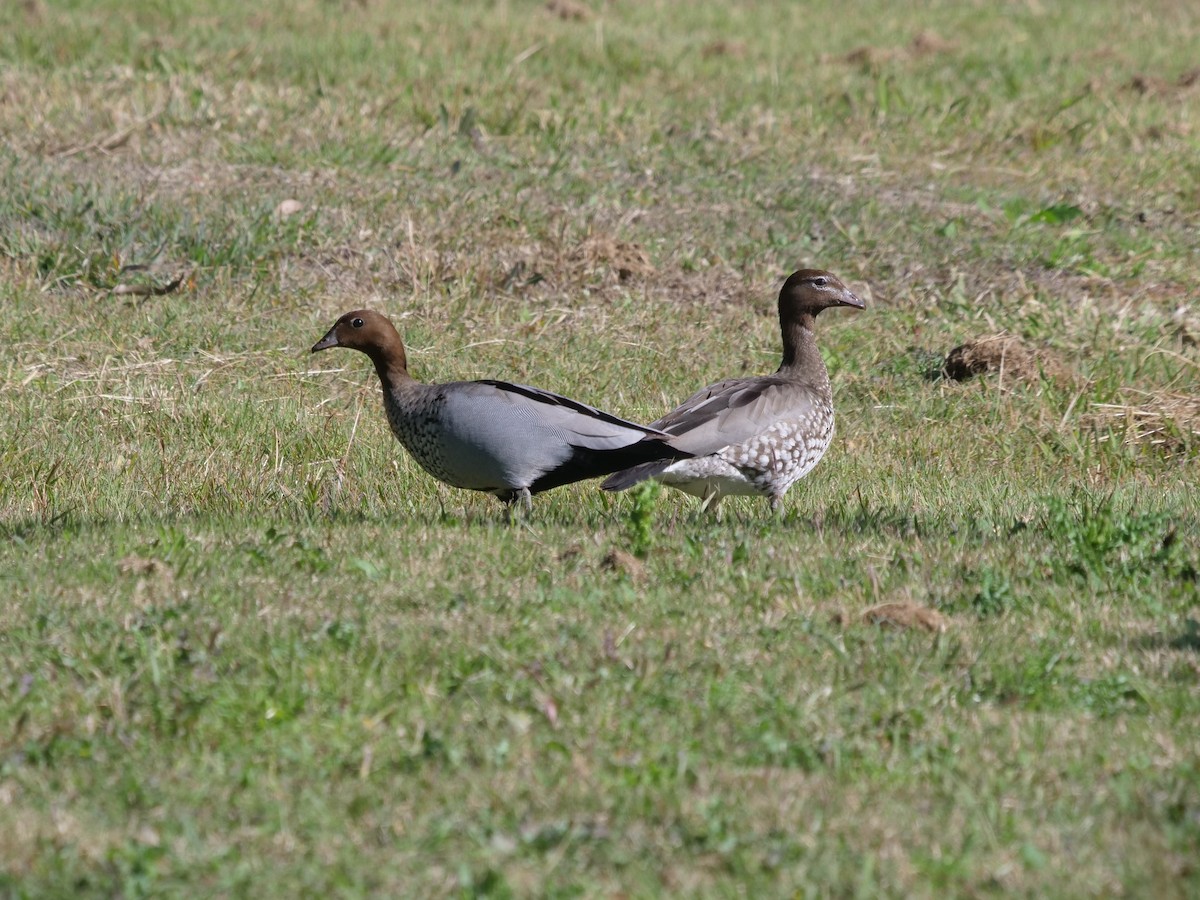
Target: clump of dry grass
[
  {"x": 1166, "y": 422},
  {"x": 1005, "y": 355},
  {"x": 607, "y": 254}
]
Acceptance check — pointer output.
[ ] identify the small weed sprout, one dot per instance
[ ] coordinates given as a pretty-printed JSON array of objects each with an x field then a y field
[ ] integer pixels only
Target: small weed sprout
[{"x": 641, "y": 517}]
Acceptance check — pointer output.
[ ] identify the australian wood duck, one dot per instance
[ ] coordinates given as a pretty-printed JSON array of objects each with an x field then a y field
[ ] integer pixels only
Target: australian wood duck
[
  {"x": 506, "y": 439},
  {"x": 756, "y": 436}
]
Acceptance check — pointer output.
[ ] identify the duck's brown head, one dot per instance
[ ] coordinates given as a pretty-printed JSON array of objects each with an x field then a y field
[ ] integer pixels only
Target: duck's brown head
[
  {"x": 361, "y": 329},
  {"x": 373, "y": 334},
  {"x": 811, "y": 290}
]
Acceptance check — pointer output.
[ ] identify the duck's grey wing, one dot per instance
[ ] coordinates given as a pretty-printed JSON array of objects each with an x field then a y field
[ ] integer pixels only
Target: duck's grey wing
[
  {"x": 518, "y": 437},
  {"x": 594, "y": 428},
  {"x": 720, "y": 415},
  {"x": 733, "y": 411}
]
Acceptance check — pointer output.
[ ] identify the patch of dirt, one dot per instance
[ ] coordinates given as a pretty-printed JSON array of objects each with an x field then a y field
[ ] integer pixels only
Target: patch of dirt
[
  {"x": 597, "y": 260},
  {"x": 1004, "y": 354},
  {"x": 732, "y": 49},
  {"x": 716, "y": 287},
  {"x": 569, "y": 10},
  {"x": 155, "y": 579},
  {"x": 1168, "y": 423},
  {"x": 909, "y": 616},
  {"x": 924, "y": 43},
  {"x": 35, "y": 10},
  {"x": 624, "y": 563},
  {"x": 1156, "y": 86},
  {"x": 141, "y": 565},
  {"x": 870, "y": 57},
  {"x": 929, "y": 43},
  {"x": 605, "y": 252},
  {"x": 571, "y": 552}
]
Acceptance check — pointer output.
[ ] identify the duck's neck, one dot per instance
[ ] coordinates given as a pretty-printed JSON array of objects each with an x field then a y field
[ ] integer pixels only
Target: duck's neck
[
  {"x": 800, "y": 353},
  {"x": 391, "y": 365}
]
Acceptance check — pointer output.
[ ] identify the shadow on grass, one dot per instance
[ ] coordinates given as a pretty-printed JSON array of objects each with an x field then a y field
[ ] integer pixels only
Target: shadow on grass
[
  {"x": 1187, "y": 639},
  {"x": 461, "y": 516},
  {"x": 66, "y": 524}
]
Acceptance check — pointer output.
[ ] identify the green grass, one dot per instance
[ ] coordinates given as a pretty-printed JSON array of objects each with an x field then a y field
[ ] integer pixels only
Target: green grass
[{"x": 248, "y": 647}]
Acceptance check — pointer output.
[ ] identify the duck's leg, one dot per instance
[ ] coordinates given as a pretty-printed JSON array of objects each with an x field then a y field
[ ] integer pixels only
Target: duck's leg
[{"x": 512, "y": 498}]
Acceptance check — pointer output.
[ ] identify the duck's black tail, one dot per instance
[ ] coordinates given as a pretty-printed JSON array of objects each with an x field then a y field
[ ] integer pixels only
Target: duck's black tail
[
  {"x": 646, "y": 458},
  {"x": 627, "y": 478}
]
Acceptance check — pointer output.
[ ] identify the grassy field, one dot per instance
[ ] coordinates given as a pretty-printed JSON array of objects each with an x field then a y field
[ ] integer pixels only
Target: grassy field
[{"x": 250, "y": 649}]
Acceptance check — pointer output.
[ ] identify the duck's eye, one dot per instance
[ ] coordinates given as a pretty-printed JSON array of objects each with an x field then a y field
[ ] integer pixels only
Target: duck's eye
[
  {"x": 820, "y": 281},
  {"x": 357, "y": 323}
]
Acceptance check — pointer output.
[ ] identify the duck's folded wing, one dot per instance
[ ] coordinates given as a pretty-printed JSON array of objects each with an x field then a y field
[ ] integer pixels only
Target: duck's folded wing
[
  {"x": 733, "y": 411},
  {"x": 579, "y": 424},
  {"x": 543, "y": 440}
]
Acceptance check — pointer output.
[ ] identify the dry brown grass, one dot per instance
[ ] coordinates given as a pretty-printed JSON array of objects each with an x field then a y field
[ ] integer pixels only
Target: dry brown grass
[
  {"x": 1007, "y": 357},
  {"x": 1165, "y": 422},
  {"x": 906, "y": 616}
]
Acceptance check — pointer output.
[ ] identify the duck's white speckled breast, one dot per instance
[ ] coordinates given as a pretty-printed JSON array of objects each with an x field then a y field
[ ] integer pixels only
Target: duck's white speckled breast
[
  {"x": 765, "y": 465},
  {"x": 785, "y": 452}
]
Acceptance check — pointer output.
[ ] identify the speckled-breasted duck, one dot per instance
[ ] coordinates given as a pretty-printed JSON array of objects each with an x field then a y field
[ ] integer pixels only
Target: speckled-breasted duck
[{"x": 757, "y": 436}]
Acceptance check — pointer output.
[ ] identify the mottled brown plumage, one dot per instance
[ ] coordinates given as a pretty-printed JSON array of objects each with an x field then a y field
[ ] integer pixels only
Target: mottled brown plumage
[{"x": 757, "y": 436}]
